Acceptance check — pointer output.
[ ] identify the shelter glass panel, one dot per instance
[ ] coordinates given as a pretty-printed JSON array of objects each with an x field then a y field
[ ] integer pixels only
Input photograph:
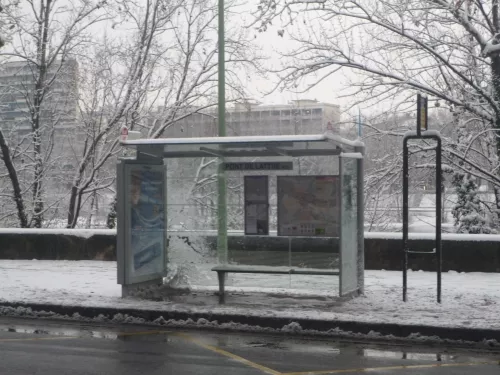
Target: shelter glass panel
[{"x": 349, "y": 226}]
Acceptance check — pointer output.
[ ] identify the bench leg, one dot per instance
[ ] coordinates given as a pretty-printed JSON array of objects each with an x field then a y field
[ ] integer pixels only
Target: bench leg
[{"x": 221, "y": 276}]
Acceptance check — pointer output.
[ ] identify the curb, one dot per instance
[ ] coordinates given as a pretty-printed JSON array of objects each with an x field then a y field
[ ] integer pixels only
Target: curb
[{"x": 321, "y": 326}]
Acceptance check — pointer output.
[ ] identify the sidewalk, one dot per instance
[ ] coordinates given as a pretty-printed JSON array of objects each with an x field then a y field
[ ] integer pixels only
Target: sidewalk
[{"x": 470, "y": 308}]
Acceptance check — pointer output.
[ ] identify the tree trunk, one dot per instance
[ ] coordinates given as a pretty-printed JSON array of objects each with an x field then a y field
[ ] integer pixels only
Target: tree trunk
[
  {"x": 72, "y": 207},
  {"x": 37, "y": 182},
  {"x": 39, "y": 93},
  {"x": 18, "y": 197},
  {"x": 495, "y": 69}
]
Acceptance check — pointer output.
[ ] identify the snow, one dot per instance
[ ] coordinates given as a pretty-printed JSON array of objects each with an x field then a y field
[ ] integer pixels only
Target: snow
[
  {"x": 353, "y": 155},
  {"x": 339, "y": 139},
  {"x": 469, "y": 299},
  {"x": 225, "y": 140},
  {"x": 491, "y": 47},
  {"x": 85, "y": 233},
  {"x": 432, "y": 236},
  {"x": 245, "y": 139}
]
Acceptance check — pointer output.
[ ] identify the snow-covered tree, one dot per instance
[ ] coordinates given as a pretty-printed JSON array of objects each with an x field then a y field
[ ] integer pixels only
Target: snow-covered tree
[
  {"x": 46, "y": 34},
  {"x": 154, "y": 65},
  {"x": 182, "y": 80},
  {"x": 468, "y": 211},
  {"x": 446, "y": 49}
]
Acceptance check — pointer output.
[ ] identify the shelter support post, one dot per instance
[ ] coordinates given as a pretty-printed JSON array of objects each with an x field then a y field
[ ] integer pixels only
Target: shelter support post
[{"x": 361, "y": 222}]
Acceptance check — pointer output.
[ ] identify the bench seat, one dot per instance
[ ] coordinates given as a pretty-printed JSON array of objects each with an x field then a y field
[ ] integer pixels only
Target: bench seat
[{"x": 222, "y": 270}]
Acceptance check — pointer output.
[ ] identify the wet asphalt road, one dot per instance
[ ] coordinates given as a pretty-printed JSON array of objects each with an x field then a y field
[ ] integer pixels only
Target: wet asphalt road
[{"x": 49, "y": 347}]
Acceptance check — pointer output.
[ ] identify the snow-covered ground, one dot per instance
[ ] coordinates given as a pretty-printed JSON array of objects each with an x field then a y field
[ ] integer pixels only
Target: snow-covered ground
[{"x": 469, "y": 299}]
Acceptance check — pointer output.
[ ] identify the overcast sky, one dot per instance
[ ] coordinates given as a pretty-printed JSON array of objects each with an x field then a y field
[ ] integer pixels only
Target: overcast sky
[{"x": 331, "y": 90}]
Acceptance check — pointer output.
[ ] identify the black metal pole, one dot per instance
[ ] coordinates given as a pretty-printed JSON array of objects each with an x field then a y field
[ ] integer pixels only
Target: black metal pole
[
  {"x": 405, "y": 216},
  {"x": 439, "y": 177},
  {"x": 419, "y": 114}
]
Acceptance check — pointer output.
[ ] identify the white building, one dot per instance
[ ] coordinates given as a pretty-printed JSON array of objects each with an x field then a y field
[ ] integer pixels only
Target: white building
[
  {"x": 17, "y": 84},
  {"x": 298, "y": 117}
]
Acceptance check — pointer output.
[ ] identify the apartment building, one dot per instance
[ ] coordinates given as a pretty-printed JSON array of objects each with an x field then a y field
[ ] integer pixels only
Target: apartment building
[
  {"x": 251, "y": 118},
  {"x": 17, "y": 84}
]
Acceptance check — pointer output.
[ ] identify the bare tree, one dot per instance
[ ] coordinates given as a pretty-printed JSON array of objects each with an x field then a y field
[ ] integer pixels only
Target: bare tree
[
  {"x": 445, "y": 48},
  {"x": 163, "y": 74},
  {"x": 48, "y": 33},
  {"x": 114, "y": 99}
]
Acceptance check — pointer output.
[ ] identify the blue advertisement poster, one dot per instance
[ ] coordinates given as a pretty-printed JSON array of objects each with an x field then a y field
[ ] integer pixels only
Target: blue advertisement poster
[{"x": 147, "y": 220}]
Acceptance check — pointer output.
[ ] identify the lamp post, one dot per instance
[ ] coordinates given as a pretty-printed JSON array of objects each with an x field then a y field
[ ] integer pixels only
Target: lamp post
[{"x": 221, "y": 175}]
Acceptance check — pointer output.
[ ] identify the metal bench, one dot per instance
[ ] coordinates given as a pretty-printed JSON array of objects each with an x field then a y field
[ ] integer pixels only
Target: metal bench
[{"x": 222, "y": 270}]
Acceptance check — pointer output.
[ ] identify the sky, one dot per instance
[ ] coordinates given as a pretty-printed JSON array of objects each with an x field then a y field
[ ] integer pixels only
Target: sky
[
  {"x": 271, "y": 44},
  {"x": 331, "y": 90},
  {"x": 334, "y": 89}
]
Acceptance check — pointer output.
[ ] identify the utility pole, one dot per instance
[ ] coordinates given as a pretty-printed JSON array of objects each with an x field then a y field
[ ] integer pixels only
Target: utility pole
[{"x": 221, "y": 175}]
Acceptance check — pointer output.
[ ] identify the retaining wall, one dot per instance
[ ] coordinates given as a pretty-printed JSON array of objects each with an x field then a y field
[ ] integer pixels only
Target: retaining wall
[{"x": 467, "y": 253}]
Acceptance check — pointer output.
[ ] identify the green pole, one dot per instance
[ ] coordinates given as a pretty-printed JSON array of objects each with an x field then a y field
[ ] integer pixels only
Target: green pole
[{"x": 221, "y": 175}]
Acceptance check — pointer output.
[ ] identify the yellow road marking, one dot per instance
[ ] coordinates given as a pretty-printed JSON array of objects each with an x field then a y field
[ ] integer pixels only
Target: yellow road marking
[
  {"x": 120, "y": 334},
  {"x": 262, "y": 368},
  {"x": 40, "y": 338},
  {"x": 367, "y": 369},
  {"x": 225, "y": 353}
]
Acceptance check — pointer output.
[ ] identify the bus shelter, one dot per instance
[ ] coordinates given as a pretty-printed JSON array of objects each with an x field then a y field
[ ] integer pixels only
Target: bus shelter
[{"x": 293, "y": 188}]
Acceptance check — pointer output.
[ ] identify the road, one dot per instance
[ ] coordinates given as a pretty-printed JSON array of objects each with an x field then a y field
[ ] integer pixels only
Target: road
[{"x": 52, "y": 347}]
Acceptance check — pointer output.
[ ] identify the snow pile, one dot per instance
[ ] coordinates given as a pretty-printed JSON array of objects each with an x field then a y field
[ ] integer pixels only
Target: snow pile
[
  {"x": 292, "y": 328},
  {"x": 432, "y": 236},
  {"x": 84, "y": 233}
]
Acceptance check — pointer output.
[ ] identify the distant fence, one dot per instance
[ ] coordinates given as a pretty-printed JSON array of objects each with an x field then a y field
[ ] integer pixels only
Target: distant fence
[{"x": 463, "y": 253}]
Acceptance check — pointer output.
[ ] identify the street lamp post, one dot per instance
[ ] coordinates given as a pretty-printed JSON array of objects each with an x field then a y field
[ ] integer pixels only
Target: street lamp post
[{"x": 221, "y": 175}]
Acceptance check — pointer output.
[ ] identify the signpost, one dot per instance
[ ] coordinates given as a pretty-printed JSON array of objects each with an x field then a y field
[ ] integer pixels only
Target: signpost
[{"x": 422, "y": 125}]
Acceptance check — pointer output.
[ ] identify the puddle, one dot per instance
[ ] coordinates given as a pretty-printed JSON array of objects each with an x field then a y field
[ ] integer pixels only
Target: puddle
[
  {"x": 269, "y": 345},
  {"x": 65, "y": 332},
  {"x": 366, "y": 351},
  {"x": 438, "y": 357}
]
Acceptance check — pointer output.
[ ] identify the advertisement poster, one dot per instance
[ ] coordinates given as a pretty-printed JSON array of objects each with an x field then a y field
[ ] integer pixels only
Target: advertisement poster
[
  {"x": 256, "y": 205},
  {"x": 308, "y": 206},
  {"x": 147, "y": 220}
]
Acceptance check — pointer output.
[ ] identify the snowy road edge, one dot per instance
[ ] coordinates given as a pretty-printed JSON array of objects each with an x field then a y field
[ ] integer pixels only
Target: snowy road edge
[{"x": 237, "y": 322}]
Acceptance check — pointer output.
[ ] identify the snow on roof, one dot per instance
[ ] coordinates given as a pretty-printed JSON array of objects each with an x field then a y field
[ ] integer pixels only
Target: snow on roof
[
  {"x": 353, "y": 155},
  {"x": 339, "y": 139},
  {"x": 245, "y": 139},
  {"x": 224, "y": 140}
]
